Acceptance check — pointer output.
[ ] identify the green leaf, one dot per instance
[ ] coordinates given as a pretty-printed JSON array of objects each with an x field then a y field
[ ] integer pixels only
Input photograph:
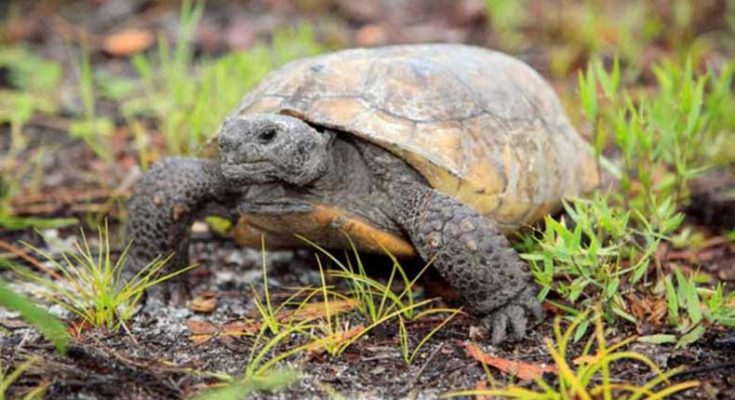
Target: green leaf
[
  {"x": 49, "y": 326},
  {"x": 672, "y": 302},
  {"x": 691, "y": 337},
  {"x": 658, "y": 339}
]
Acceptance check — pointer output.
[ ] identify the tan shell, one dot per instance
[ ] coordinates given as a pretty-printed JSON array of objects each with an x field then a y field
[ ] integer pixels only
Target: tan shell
[{"x": 477, "y": 124}]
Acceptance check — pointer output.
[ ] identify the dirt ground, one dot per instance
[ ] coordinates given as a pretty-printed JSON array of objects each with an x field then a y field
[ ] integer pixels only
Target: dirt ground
[{"x": 157, "y": 358}]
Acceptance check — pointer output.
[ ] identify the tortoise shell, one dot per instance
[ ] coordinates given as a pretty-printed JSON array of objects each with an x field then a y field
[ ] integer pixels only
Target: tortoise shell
[{"x": 479, "y": 125}]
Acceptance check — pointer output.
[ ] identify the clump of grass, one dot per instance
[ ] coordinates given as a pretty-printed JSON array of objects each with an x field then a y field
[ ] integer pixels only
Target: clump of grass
[
  {"x": 92, "y": 287},
  {"x": 188, "y": 103},
  {"x": 690, "y": 305},
  {"x": 35, "y": 81},
  {"x": 588, "y": 376},
  {"x": 94, "y": 130},
  {"x": 661, "y": 142},
  {"x": 506, "y": 18}
]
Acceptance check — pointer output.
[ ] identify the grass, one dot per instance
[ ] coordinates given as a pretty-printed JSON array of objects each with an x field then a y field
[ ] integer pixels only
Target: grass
[
  {"x": 7, "y": 378},
  {"x": 590, "y": 375},
  {"x": 660, "y": 141},
  {"x": 94, "y": 130},
  {"x": 50, "y": 327},
  {"x": 91, "y": 286},
  {"x": 188, "y": 104},
  {"x": 321, "y": 329}
]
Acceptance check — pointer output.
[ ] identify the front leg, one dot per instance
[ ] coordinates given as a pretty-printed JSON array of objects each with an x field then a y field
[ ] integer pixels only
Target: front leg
[
  {"x": 471, "y": 254},
  {"x": 166, "y": 201}
]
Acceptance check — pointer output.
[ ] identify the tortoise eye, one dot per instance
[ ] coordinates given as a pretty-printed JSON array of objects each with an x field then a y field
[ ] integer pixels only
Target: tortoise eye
[{"x": 267, "y": 136}]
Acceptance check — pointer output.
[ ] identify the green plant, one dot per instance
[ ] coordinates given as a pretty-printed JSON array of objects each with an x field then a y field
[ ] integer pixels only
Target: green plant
[
  {"x": 35, "y": 81},
  {"x": 237, "y": 389},
  {"x": 94, "y": 130},
  {"x": 506, "y": 18},
  {"x": 661, "y": 140},
  {"x": 410, "y": 355},
  {"x": 93, "y": 288},
  {"x": 49, "y": 326},
  {"x": 375, "y": 299},
  {"x": 589, "y": 376},
  {"x": 7, "y": 378},
  {"x": 187, "y": 103},
  {"x": 690, "y": 305},
  {"x": 12, "y": 173}
]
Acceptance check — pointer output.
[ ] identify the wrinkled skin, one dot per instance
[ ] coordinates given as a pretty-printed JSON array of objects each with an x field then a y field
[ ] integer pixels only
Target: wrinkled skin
[{"x": 306, "y": 164}]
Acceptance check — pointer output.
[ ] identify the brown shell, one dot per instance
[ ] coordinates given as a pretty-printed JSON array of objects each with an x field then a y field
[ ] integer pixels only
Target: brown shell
[{"x": 477, "y": 124}]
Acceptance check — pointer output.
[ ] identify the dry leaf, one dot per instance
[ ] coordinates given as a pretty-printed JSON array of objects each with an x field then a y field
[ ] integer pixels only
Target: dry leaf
[
  {"x": 239, "y": 328},
  {"x": 336, "y": 339},
  {"x": 521, "y": 369},
  {"x": 202, "y": 331},
  {"x": 128, "y": 42},
  {"x": 204, "y": 303},
  {"x": 318, "y": 310}
]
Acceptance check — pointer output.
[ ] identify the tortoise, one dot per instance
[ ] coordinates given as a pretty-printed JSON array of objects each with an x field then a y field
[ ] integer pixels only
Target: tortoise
[{"x": 437, "y": 151}]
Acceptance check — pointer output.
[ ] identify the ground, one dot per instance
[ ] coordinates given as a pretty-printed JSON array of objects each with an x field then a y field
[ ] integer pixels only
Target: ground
[{"x": 169, "y": 350}]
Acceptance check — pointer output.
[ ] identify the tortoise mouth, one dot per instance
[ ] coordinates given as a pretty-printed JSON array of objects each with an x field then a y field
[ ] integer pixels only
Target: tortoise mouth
[{"x": 252, "y": 171}]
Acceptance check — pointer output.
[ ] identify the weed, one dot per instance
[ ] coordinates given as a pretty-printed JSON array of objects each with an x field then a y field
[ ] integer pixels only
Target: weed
[
  {"x": 375, "y": 298},
  {"x": 506, "y": 18},
  {"x": 404, "y": 337},
  {"x": 589, "y": 375},
  {"x": 662, "y": 142},
  {"x": 238, "y": 389},
  {"x": 94, "y": 130},
  {"x": 189, "y": 105},
  {"x": 689, "y": 305},
  {"x": 93, "y": 288},
  {"x": 51, "y": 328},
  {"x": 7, "y": 378},
  {"x": 36, "y": 80}
]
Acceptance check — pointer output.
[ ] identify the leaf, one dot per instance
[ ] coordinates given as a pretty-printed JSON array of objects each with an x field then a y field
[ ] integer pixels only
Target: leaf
[
  {"x": 127, "y": 42},
  {"x": 204, "y": 303},
  {"x": 521, "y": 369},
  {"x": 658, "y": 339},
  {"x": 202, "y": 331},
  {"x": 691, "y": 337},
  {"x": 49, "y": 326}
]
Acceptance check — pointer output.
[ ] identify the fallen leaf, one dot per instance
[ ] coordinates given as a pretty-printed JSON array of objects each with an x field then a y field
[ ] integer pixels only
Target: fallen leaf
[
  {"x": 335, "y": 339},
  {"x": 204, "y": 303},
  {"x": 239, "y": 328},
  {"x": 318, "y": 310},
  {"x": 202, "y": 331},
  {"x": 127, "y": 42},
  {"x": 521, "y": 369}
]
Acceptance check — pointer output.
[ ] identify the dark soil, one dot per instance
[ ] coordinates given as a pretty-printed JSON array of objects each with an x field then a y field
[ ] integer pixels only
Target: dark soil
[{"x": 157, "y": 359}]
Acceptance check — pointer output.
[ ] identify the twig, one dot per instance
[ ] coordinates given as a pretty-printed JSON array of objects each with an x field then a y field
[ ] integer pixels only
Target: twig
[
  {"x": 27, "y": 257},
  {"x": 703, "y": 370},
  {"x": 423, "y": 367}
]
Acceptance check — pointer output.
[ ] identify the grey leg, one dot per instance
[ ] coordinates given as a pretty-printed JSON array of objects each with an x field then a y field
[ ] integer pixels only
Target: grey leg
[
  {"x": 471, "y": 254},
  {"x": 162, "y": 209}
]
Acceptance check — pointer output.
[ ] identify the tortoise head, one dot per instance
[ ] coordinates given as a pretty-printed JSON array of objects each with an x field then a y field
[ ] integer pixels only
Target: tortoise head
[{"x": 262, "y": 148}]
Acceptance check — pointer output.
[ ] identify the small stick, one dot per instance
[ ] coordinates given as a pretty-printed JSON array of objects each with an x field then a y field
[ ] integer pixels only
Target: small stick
[
  {"x": 426, "y": 364},
  {"x": 27, "y": 257}
]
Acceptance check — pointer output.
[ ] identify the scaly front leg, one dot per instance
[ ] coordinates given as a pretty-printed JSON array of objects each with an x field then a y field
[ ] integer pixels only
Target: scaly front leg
[
  {"x": 166, "y": 201},
  {"x": 471, "y": 254}
]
